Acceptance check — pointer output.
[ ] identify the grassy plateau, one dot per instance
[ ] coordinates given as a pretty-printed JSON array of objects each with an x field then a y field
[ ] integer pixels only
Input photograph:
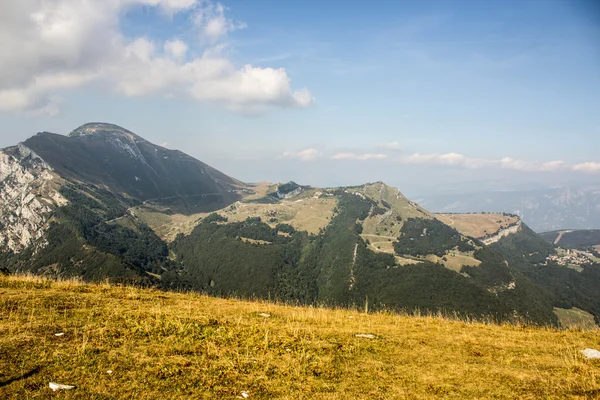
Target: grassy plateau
[{"x": 160, "y": 345}]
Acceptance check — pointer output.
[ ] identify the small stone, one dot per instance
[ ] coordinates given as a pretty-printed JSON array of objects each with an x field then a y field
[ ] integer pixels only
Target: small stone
[
  {"x": 109, "y": 371},
  {"x": 591, "y": 354},
  {"x": 264, "y": 315},
  {"x": 365, "y": 335},
  {"x": 59, "y": 334},
  {"x": 59, "y": 386},
  {"x": 245, "y": 395}
]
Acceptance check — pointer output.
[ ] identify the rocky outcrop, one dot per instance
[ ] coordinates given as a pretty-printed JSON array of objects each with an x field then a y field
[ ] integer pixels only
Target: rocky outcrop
[
  {"x": 28, "y": 193},
  {"x": 502, "y": 233}
]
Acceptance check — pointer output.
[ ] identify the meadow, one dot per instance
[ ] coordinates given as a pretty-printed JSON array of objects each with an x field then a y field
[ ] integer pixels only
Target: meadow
[{"x": 118, "y": 342}]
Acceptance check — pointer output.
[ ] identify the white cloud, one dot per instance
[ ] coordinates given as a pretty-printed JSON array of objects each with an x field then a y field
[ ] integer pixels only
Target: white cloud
[
  {"x": 360, "y": 157},
  {"x": 174, "y": 6},
  {"x": 303, "y": 155},
  {"x": 444, "y": 159},
  {"x": 450, "y": 159},
  {"x": 469, "y": 162},
  {"x": 250, "y": 88},
  {"x": 587, "y": 167},
  {"x": 48, "y": 47},
  {"x": 176, "y": 48},
  {"x": 211, "y": 21},
  {"x": 531, "y": 166}
]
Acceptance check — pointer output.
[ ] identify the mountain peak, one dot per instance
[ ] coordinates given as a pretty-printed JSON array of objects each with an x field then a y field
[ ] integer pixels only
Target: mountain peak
[{"x": 101, "y": 129}]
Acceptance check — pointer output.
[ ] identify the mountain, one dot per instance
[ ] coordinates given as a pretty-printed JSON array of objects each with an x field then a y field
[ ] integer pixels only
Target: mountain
[
  {"x": 55, "y": 187},
  {"x": 574, "y": 238},
  {"x": 114, "y": 158},
  {"x": 104, "y": 203},
  {"x": 542, "y": 209}
]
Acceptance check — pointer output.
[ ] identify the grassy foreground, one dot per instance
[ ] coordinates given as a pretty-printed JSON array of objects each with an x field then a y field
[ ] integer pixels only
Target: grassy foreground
[{"x": 168, "y": 345}]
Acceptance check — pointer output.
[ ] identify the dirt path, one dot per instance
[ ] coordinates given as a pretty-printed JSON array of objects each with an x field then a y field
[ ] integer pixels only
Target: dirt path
[
  {"x": 380, "y": 236},
  {"x": 376, "y": 243},
  {"x": 352, "y": 277},
  {"x": 560, "y": 235}
]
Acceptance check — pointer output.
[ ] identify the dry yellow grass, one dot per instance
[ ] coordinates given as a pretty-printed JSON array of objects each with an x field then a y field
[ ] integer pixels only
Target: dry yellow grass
[
  {"x": 388, "y": 224},
  {"x": 167, "y": 226},
  {"x": 477, "y": 225},
  {"x": 308, "y": 213},
  {"x": 380, "y": 243},
  {"x": 170, "y": 346},
  {"x": 260, "y": 190},
  {"x": 455, "y": 260}
]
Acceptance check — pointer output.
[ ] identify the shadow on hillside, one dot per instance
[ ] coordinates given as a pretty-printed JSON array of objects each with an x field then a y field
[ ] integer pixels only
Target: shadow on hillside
[
  {"x": 19, "y": 378},
  {"x": 588, "y": 394},
  {"x": 194, "y": 204}
]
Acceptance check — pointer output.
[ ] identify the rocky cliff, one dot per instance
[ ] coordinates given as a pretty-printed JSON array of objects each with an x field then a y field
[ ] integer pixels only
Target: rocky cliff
[{"x": 28, "y": 193}]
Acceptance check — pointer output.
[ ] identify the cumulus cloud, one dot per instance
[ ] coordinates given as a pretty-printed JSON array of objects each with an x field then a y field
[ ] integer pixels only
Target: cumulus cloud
[
  {"x": 174, "y": 6},
  {"x": 587, "y": 167},
  {"x": 521, "y": 165},
  {"x": 360, "y": 157},
  {"x": 176, "y": 48},
  {"x": 211, "y": 22},
  {"x": 448, "y": 159},
  {"x": 302, "y": 155},
  {"x": 48, "y": 47},
  {"x": 444, "y": 159},
  {"x": 461, "y": 160}
]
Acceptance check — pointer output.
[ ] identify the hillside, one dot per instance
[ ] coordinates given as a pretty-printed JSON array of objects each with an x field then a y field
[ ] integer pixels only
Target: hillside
[
  {"x": 574, "y": 238},
  {"x": 65, "y": 202},
  {"x": 487, "y": 227},
  {"x": 122, "y": 343},
  {"x": 85, "y": 206},
  {"x": 116, "y": 159}
]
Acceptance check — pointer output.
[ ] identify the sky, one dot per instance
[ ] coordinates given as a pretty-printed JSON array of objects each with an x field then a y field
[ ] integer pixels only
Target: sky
[{"x": 427, "y": 96}]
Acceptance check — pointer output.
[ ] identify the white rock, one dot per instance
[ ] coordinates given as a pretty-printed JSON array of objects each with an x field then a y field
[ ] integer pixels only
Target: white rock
[
  {"x": 591, "y": 354},
  {"x": 265, "y": 315},
  {"x": 25, "y": 180},
  {"x": 60, "y": 386},
  {"x": 59, "y": 334},
  {"x": 245, "y": 395},
  {"x": 365, "y": 335},
  {"x": 109, "y": 371}
]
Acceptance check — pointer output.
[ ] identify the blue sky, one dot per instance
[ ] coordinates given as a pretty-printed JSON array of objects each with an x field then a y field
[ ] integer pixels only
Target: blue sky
[{"x": 418, "y": 94}]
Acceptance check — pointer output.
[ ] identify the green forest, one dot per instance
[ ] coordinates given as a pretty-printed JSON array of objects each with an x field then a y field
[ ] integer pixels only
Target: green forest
[{"x": 94, "y": 237}]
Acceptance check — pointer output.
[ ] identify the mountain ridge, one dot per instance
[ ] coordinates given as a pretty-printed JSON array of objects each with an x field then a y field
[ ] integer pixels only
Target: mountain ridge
[{"x": 136, "y": 212}]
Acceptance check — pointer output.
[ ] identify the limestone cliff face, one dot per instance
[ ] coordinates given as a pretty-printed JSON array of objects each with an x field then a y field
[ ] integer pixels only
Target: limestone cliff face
[
  {"x": 503, "y": 233},
  {"x": 28, "y": 193}
]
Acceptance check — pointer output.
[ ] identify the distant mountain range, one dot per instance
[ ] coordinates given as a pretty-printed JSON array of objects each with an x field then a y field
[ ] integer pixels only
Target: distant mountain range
[
  {"x": 542, "y": 209},
  {"x": 104, "y": 203}
]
